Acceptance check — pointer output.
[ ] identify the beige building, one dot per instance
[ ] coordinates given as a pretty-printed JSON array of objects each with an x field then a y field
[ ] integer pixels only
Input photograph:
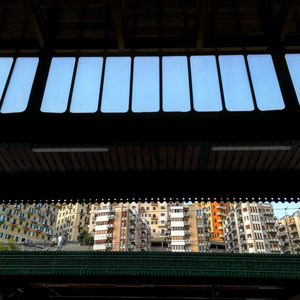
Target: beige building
[
  {"x": 27, "y": 223},
  {"x": 188, "y": 228},
  {"x": 72, "y": 220},
  {"x": 119, "y": 227},
  {"x": 289, "y": 233},
  {"x": 156, "y": 214},
  {"x": 251, "y": 228}
]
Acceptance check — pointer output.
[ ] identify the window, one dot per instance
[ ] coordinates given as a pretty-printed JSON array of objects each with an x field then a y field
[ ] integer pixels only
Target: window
[
  {"x": 5, "y": 65},
  {"x": 145, "y": 93},
  {"x": 293, "y": 62},
  {"x": 236, "y": 87},
  {"x": 205, "y": 83},
  {"x": 19, "y": 88},
  {"x": 265, "y": 83},
  {"x": 176, "y": 94},
  {"x": 85, "y": 97},
  {"x": 115, "y": 97},
  {"x": 57, "y": 90}
]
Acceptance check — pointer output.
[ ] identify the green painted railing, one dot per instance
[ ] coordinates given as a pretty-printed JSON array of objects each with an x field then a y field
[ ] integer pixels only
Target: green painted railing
[{"x": 150, "y": 264}]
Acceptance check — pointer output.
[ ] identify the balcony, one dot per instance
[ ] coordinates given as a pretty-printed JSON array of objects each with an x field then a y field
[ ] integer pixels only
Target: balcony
[
  {"x": 269, "y": 221},
  {"x": 108, "y": 245},
  {"x": 271, "y": 230},
  {"x": 296, "y": 239},
  {"x": 221, "y": 207},
  {"x": 222, "y": 214},
  {"x": 132, "y": 218},
  {"x": 273, "y": 239}
]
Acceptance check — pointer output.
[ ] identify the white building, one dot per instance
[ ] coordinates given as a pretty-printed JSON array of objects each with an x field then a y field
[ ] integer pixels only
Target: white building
[
  {"x": 179, "y": 229},
  {"x": 251, "y": 228}
]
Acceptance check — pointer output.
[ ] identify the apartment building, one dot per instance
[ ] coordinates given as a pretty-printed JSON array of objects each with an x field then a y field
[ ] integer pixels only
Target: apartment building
[
  {"x": 119, "y": 228},
  {"x": 27, "y": 223},
  {"x": 289, "y": 233},
  {"x": 72, "y": 220},
  {"x": 251, "y": 228},
  {"x": 199, "y": 228},
  {"x": 156, "y": 214},
  {"x": 215, "y": 212},
  {"x": 180, "y": 229}
]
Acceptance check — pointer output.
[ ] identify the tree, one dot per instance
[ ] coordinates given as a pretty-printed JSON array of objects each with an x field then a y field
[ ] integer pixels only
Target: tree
[
  {"x": 10, "y": 246},
  {"x": 86, "y": 239}
]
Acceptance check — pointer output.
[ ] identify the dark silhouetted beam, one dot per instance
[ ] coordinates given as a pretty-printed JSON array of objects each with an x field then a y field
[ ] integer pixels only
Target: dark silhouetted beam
[
  {"x": 118, "y": 22},
  {"x": 203, "y": 8},
  {"x": 33, "y": 11},
  {"x": 285, "y": 17}
]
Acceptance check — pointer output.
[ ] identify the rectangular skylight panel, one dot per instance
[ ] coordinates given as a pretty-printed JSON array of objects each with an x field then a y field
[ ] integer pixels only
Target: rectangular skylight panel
[
  {"x": 176, "y": 93},
  {"x": 19, "y": 88},
  {"x": 5, "y": 66},
  {"x": 145, "y": 93},
  {"x": 58, "y": 85},
  {"x": 265, "y": 83},
  {"x": 205, "y": 82},
  {"x": 85, "y": 97},
  {"x": 115, "y": 97},
  {"x": 293, "y": 62},
  {"x": 236, "y": 87}
]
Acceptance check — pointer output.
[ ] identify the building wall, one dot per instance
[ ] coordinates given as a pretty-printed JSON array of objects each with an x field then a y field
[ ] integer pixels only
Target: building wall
[
  {"x": 25, "y": 223},
  {"x": 250, "y": 228},
  {"x": 72, "y": 220},
  {"x": 215, "y": 213},
  {"x": 120, "y": 228},
  {"x": 289, "y": 233}
]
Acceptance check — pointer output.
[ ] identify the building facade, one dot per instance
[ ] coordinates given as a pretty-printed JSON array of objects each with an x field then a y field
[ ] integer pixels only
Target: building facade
[
  {"x": 215, "y": 214},
  {"x": 73, "y": 220},
  {"x": 157, "y": 216},
  {"x": 25, "y": 223},
  {"x": 119, "y": 228},
  {"x": 289, "y": 233},
  {"x": 180, "y": 229},
  {"x": 251, "y": 228}
]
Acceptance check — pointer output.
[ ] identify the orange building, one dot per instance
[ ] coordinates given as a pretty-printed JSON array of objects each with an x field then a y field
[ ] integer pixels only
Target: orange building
[{"x": 215, "y": 213}]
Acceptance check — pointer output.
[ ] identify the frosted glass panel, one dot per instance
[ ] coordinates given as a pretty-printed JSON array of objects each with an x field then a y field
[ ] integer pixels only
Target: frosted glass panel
[
  {"x": 5, "y": 66},
  {"x": 265, "y": 83},
  {"x": 235, "y": 82},
  {"x": 293, "y": 62},
  {"x": 19, "y": 88},
  {"x": 85, "y": 97},
  {"x": 205, "y": 82},
  {"x": 115, "y": 97},
  {"x": 58, "y": 85},
  {"x": 145, "y": 94},
  {"x": 176, "y": 94}
]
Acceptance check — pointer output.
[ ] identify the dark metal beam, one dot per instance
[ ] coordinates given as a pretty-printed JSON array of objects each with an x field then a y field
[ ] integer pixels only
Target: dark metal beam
[
  {"x": 203, "y": 14},
  {"x": 142, "y": 185},
  {"x": 118, "y": 22},
  {"x": 286, "y": 15},
  {"x": 33, "y": 11}
]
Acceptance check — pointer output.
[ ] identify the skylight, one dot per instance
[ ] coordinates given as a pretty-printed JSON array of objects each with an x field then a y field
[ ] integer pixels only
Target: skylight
[
  {"x": 19, "y": 88},
  {"x": 58, "y": 85}
]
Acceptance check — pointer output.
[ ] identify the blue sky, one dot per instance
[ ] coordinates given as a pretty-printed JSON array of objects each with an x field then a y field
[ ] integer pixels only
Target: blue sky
[{"x": 279, "y": 208}]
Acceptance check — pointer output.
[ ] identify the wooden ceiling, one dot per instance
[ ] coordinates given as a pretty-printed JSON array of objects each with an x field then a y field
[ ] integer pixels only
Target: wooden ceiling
[
  {"x": 142, "y": 24},
  {"x": 16, "y": 159}
]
